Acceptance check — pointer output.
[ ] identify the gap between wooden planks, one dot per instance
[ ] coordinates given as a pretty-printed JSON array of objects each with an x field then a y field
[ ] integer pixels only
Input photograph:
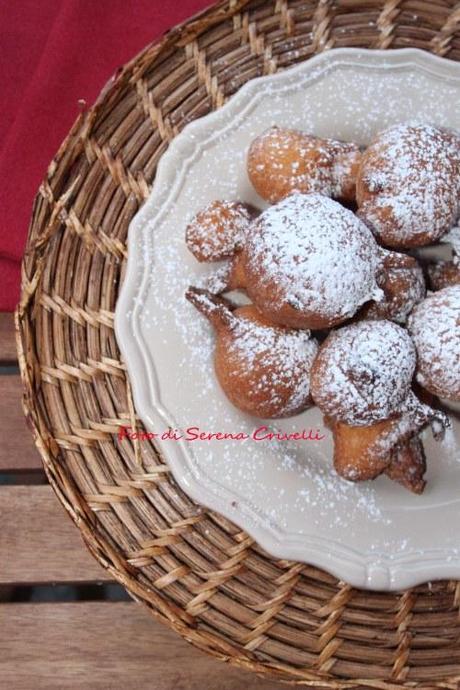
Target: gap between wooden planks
[
  {"x": 84, "y": 645},
  {"x": 38, "y": 542},
  {"x": 105, "y": 646}
]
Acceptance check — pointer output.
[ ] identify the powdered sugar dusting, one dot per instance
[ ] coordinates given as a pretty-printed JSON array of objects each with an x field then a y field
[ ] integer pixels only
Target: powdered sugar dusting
[
  {"x": 281, "y": 161},
  {"x": 415, "y": 292},
  {"x": 435, "y": 328},
  {"x": 453, "y": 238},
  {"x": 278, "y": 362},
  {"x": 410, "y": 175},
  {"x": 290, "y": 489},
  {"x": 364, "y": 372},
  {"x": 314, "y": 255},
  {"x": 218, "y": 230}
]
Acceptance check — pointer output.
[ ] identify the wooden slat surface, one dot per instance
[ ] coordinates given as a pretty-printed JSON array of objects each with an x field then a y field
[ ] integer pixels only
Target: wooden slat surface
[
  {"x": 38, "y": 541},
  {"x": 7, "y": 341},
  {"x": 97, "y": 645},
  {"x": 17, "y": 449},
  {"x": 105, "y": 646}
]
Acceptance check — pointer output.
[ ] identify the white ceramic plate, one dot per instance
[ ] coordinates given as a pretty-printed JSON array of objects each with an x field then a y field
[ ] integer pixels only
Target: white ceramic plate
[{"x": 285, "y": 494}]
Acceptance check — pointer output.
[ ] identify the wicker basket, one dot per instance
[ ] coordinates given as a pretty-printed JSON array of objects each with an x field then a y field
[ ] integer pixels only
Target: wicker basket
[{"x": 192, "y": 568}]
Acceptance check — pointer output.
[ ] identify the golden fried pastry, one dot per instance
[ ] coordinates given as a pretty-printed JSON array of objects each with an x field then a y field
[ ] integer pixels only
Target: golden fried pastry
[
  {"x": 307, "y": 262},
  {"x": 408, "y": 465},
  {"x": 443, "y": 274},
  {"x": 282, "y": 161},
  {"x": 363, "y": 372},
  {"x": 408, "y": 183},
  {"x": 310, "y": 263},
  {"x": 364, "y": 453},
  {"x": 453, "y": 238},
  {"x": 391, "y": 446},
  {"x": 263, "y": 369},
  {"x": 358, "y": 452},
  {"x": 346, "y": 160},
  {"x": 228, "y": 277},
  {"x": 401, "y": 279},
  {"x": 435, "y": 328},
  {"x": 403, "y": 284},
  {"x": 218, "y": 230}
]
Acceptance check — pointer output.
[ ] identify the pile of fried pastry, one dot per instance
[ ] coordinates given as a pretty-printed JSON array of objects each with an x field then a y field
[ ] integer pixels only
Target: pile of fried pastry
[{"x": 340, "y": 316}]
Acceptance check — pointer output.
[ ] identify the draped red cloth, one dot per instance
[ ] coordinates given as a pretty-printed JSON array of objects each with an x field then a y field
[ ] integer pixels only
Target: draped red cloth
[{"x": 54, "y": 53}]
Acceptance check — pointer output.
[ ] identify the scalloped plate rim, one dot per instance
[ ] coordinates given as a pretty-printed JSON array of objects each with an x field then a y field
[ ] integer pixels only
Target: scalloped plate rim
[{"x": 370, "y": 570}]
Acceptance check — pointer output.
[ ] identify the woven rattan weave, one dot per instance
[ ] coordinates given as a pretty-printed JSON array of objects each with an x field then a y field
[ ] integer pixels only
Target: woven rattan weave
[{"x": 192, "y": 568}]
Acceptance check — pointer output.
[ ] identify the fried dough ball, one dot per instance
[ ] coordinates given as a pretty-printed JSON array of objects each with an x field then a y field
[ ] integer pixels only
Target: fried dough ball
[
  {"x": 229, "y": 276},
  {"x": 363, "y": 372},
  {"x": 310, "y": 263},
  {"x": 408, "y": 466},
  {"x": 403, "y": 284},
  {"x": 364, "y": 453},
  {"x": 281, "y": 161},
  {"x": 453, "y": 238},
  {"x": 444, "y": 274},
  {"x": 391, "y": 446},
  {"x": 401, "y": 280},
  {"x": 435, "y": 328},
  {"x": 264, "y": 370},
  {"x": 218, "y": 230},
  {"x": 407, "y": 185},
  {"x": 346, "y": 159},
  {"x": 357, "y": 453}
]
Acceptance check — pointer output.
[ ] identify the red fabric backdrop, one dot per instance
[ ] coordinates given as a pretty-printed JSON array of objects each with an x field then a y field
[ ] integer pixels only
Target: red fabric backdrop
[{"x": 53, "y": 53}]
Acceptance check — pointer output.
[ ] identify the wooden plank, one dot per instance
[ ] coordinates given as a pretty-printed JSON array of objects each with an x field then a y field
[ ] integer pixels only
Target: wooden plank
[
  {"x": 102, "y": 645},
  {"x": 17, "y": 449},
  {"x": 38, "y": 542},
  {"x": 7, "y": 339}
]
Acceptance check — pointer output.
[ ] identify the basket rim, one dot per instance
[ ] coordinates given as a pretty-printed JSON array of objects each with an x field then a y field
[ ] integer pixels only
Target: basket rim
[{"x": 76, "y": 507}]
